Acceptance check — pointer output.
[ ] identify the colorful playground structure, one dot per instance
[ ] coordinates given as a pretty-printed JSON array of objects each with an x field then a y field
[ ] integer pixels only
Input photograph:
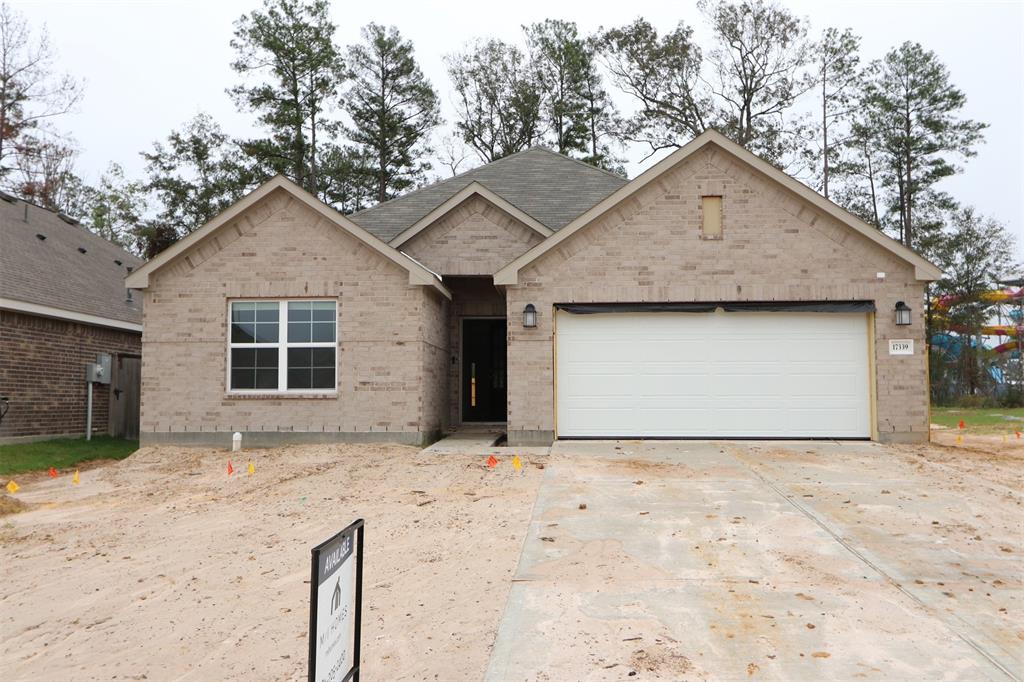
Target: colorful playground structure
[
  {"x": 1003, "y": 339},
  {"x": 1012, "y": 331},
  {"x": 997, "y": 296}
]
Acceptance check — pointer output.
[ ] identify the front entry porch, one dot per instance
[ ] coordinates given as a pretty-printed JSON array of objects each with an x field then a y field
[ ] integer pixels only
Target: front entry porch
[
  {"x": 479, "y": 355},
  {"x": 484, "y": 349}
]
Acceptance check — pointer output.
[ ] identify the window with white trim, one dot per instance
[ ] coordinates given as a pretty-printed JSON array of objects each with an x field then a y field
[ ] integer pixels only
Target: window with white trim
[{"x": 283, "y": 346}]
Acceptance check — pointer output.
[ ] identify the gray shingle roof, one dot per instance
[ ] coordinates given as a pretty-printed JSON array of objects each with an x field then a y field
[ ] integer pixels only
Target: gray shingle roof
[
  {"x": 54, "y": 272},
  {"x": 550, "y": 187}
]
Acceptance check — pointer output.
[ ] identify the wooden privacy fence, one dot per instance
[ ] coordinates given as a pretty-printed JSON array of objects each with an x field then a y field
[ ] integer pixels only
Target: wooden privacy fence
[{"x": 125, "y": 390}]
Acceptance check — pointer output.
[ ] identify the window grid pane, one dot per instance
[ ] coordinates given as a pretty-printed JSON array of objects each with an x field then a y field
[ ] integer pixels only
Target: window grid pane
[
  {"x": 254, "y": 368},
  {"x": 312, "y": 321},
  {"x": 308, "y": 367},
  {"x": 254, "y": 322},
  {"x": 311, "y": 368}
]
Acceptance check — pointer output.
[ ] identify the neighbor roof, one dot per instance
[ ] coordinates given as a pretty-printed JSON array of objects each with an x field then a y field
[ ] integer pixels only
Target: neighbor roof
[
  {"x": 551, "y": 188},
  {"x": 51, "y": 265},
  {"x": 923, "y": 269}
]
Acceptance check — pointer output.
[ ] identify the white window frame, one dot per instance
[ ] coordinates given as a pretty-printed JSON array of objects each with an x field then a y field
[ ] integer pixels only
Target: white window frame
[{"x": 282, "y": 346}]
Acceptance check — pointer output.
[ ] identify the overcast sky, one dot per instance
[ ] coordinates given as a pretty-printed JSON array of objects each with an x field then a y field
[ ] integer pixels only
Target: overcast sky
[{"x": 149, "y": 65}]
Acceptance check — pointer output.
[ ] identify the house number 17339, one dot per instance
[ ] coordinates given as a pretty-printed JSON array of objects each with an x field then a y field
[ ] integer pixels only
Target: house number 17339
[{"x": 901, "y": 346}]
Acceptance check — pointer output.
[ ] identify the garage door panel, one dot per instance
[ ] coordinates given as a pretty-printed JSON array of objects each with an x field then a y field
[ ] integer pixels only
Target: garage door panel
[
  {"x": 648, "y": 406},
  {"x": 657, "y": 422},
  {"x": 749, "y": 385},
  {"x": 667, "y": 386},
  {"x": 713, "y": 375},
  {"x": 821, "y": 386}
]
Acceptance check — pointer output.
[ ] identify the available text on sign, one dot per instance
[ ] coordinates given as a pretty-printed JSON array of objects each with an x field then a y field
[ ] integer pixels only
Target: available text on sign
[{"x": 335, "y": 607}]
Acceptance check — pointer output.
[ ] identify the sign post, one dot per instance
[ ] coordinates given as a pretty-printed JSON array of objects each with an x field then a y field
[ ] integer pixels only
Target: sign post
[{"x": 335, "y": 607}]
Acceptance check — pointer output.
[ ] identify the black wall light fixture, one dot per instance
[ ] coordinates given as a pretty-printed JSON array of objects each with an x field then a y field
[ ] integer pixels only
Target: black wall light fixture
[
  {"x": 529, "y": 316},
  {"x": 902, "y": 314}
]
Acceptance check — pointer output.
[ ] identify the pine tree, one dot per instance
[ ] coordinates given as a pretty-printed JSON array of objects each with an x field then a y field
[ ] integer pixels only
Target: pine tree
[
  {"x": 911, "y": 109},
  {"x": 836, "y": 63},
  {"x": 393, "y": 108},
  {"x": 289, "y": 48},
  {"x": 558, "y": 57}
]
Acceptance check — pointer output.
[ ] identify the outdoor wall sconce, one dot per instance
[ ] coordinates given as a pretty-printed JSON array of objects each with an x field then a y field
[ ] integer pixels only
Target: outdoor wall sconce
[
  {"x": 902, "y": 314},
  {"x": 529, "y": 316}
]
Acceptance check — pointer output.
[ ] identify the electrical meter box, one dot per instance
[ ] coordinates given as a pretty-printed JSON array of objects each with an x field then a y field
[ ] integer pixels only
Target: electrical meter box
[{"x": 99, "y": 372}]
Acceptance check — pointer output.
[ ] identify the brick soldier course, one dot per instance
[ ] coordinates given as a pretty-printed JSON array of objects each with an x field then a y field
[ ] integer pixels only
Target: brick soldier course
[{"x": 535, "y": 228}]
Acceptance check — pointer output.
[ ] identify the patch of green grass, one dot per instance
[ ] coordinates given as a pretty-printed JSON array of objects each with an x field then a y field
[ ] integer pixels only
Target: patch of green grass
[
  {"x": 980, "y": 420},
  {"x": 61, "y": 453}
]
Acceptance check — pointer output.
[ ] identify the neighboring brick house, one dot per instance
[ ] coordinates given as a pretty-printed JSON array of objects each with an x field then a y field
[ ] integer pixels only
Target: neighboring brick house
[
  {"x": 63, "y": 301},
  {"x": 712, "y": 296}
]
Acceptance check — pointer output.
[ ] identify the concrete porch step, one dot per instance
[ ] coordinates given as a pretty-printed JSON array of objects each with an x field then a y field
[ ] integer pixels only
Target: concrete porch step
[{"x": 465, "y": 443}]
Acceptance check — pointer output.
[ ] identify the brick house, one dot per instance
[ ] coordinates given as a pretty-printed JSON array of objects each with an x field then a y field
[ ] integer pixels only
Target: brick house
[
  {"x": 711, "y": 296},
  {"x": 63, "y": 301}
]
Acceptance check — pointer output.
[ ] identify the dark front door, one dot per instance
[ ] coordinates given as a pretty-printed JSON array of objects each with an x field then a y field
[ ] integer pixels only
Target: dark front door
[{"x": 483, "y": 370}]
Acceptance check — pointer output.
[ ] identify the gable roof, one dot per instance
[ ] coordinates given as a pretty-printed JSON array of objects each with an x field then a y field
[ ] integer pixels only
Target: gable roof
[
  {"x": 417, "y": 273},
  {"x": 473, "y": 188},
  {"x": 923, "y": 269},
  {"x": 551, "y": 188},
  {"x": 69, "y": 273}
]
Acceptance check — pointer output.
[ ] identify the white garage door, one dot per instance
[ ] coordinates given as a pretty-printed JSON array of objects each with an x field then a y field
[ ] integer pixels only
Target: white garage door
[{"x": 736, "y": 374}]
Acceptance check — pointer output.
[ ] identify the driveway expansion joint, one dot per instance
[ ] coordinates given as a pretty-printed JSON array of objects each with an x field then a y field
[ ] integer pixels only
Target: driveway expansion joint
[{"x": 792, "y": 500}]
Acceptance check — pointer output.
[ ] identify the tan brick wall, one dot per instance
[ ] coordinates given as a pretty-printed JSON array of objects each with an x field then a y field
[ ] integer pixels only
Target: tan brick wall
[
  {"x": 436, "y": 352},
  {"x": 388, "y": 331},
  {"x": 775, "y": 246},
  {"x": 474, "y": 238}
]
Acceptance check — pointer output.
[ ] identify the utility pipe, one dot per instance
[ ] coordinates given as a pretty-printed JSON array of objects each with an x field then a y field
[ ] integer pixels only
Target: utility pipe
[{"x": 88, "y": 412}]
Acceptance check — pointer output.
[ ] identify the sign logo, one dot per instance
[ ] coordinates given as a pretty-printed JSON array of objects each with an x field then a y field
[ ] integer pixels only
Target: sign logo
[{"x": 336, "y": 597}]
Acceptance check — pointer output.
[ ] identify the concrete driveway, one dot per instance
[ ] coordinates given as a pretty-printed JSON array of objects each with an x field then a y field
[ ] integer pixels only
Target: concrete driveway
[{"x": 796, "y": 561}]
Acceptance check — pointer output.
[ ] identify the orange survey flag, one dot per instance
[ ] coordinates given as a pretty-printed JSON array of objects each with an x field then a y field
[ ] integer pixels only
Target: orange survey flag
[
  {"x": 961, "y": 425},
  {"x": 492, "y": 461},
  {"x": 231, "y": 469},
  {"x": 53, "y": 473}
]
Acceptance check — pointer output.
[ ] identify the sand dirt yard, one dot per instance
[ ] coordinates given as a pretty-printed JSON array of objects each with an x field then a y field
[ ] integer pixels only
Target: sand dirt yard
[{"x": 161, "y": 566}]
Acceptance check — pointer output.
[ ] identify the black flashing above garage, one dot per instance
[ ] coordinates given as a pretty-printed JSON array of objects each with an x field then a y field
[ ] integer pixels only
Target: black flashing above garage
[{"x": 727, "y": 306}]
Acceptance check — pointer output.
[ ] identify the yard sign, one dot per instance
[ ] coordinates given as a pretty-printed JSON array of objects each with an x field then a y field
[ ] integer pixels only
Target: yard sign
[{"x": 335, "y": 607}]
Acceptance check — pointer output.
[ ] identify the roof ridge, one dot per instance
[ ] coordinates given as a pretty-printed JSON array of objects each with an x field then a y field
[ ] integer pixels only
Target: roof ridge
[
  {"x": 581, "y": 162},
  {"x": 409, "y": 194},
  {"x": 456, "y": 177},
  {"x": 503, "y": 198}
]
